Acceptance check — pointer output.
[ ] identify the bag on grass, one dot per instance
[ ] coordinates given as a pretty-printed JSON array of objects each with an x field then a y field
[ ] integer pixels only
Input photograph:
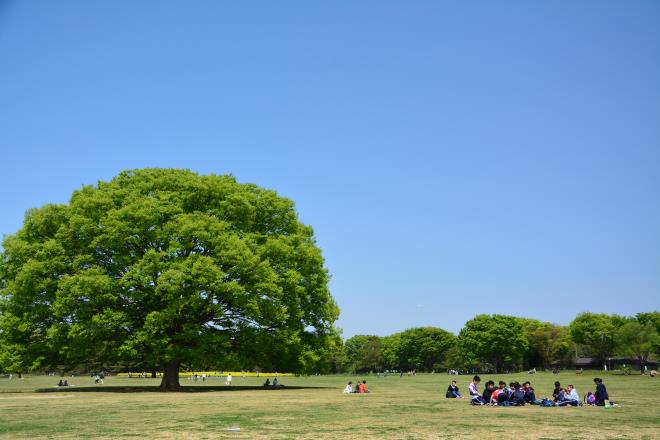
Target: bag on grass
[{"x": 547, "y": 402}]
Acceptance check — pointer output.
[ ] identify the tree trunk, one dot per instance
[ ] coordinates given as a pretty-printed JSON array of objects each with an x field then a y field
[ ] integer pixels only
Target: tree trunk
[{"x": 170, "y": 380}]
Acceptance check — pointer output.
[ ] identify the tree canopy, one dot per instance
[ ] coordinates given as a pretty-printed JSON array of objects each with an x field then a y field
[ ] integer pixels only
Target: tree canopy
[
  {"x": 364, "y": 353},
  {"x": 596, "y": 332},
  {"x": 497, "y": 339},
  {"x": 638, "y": 340},
  {"x": 420, "y": 348},
  {"x": 547, "y": 342},
  {"x": 170, "y": 267}
]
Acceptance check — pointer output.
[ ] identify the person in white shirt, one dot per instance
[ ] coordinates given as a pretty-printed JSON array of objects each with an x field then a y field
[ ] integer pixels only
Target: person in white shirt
[
  {"x": 572, "y": 393},
  {"x": 228, "y": 381},
  {"x": 475, "y": 398},
  {"x": 569, "y": 397},
  {"x": 349, "y": 388}
]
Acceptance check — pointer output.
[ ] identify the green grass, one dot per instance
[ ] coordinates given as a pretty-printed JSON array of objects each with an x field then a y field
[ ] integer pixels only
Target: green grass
[{"x": 407, "y": 408}]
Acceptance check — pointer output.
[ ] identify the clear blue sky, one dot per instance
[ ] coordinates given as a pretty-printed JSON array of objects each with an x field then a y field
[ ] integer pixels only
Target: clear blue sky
[{"x": 454, "y": 158}]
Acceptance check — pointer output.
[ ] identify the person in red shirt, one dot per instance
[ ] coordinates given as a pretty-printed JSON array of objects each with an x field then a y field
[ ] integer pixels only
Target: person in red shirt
[
  {"x": 497, "y": 392},
  {"x": 363, "y": 387}
]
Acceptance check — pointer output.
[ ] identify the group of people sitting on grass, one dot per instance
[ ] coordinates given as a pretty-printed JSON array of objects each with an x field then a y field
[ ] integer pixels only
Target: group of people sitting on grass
[
  {"x": 516, "y": 394},
  {"x": 275, "y": 383},
  {"x": 63, "y": 383},
  {"x": 360, "y": 388}
]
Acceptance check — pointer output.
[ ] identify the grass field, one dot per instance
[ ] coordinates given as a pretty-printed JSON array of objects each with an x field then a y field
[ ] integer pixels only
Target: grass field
[{"x": 408, "y": 407}]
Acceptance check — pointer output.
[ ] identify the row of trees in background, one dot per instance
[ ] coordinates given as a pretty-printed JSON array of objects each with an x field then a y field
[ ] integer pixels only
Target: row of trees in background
[{"x": 500, "y": 343}]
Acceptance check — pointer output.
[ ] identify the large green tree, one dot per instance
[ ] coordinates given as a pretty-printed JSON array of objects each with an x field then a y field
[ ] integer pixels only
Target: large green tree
[
  {"x": 365, "y": 353},
  {"x": 547, "y": 342},
  {"x": 636, "y": 339},
  {"x": 497, "y": 340},
  {"x": 654, "y": 319},
  {"x": 421, "y": 348},
  {"x": 597, "y": 333},
  {"x": 169, "y": 267}
]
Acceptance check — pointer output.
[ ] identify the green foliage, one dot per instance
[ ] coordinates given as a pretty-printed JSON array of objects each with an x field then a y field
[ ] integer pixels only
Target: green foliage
[
  {"x": 165, "y": 266},
  {"x": 596, "y": 332},
  {"x": 497, "y": 340},
  {"x": 421, "y": 348},
  {"x": 364, "y": 353},
  {"x": 638, "y": 340},
  {"x": 652, "y": 318},
  {"x": 390, "y": 347},
  {"x": 547, "y": 342}
]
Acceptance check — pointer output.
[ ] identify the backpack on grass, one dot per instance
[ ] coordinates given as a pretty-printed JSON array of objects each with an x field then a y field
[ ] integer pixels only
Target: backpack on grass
[{"x": 547, "y": 402}]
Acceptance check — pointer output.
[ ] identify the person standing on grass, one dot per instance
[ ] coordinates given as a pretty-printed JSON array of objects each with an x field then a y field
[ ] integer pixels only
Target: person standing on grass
[{"x": 229, "y": 378}]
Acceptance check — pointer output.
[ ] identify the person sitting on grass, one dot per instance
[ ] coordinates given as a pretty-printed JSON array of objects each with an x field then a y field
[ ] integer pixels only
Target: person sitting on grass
[
  {"x": 349, "y": 388},
  {"x": 60, "y": 383},
  {"x": 590, "y": 399},
  {"x": 452, "y": 391},
  {"x": 530, "y": 396},
  {"x": 518, "y": 396},
  {"x": 558, "y": 392},
  {"x": 563, "y": 398},
  {"x": 475, "y": 398},
  {"x": 602, "y": 398},
  {"x": 572, "y": 396},
  {"x": 488, "y": 391},
  {"x": 363, "y": 387},
  {"x": 499, "y": 391},
  {"x": 267, "y": 383}
]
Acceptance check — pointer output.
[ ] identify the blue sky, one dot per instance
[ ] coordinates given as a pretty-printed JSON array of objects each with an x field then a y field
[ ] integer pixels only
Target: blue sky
[{"x": 454, "y": 158}]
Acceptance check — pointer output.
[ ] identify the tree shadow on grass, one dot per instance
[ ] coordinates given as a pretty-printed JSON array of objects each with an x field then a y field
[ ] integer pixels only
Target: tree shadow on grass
[{"x": 156, "y": 389}]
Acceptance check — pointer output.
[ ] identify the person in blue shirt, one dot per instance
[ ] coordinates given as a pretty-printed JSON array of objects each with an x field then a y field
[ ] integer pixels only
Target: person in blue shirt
[{"x": 530, "y": 396}]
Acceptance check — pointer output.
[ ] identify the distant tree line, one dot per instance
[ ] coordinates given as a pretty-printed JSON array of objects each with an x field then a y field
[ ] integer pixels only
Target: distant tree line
[{"x": 503, "y": 343}]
